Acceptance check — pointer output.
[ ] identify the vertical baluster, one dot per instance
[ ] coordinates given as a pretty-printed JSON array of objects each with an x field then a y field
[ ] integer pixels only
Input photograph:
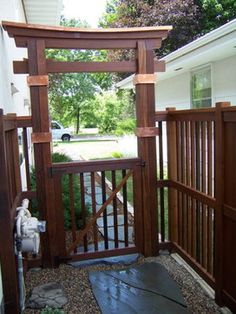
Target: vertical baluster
[
  {"x": 209, "y": 191},
  {"x": 83, "y": 208},
  {"x": 214, "y": 193},
  {"x": 113, "y": 174},
  {"x": 198, "y": 152},
  {"x": 61, "y": 235},
  {"x": 161, "y": 191},
  {"x": 105, "y": 210},
  {"x": 93, "y": 197},
  {"x": 72, "y": 207},
  {"x": 178, "y": 149},
  {"x": 11, "y": 183},
  {"x": 126, "y": 230},
  {"x": 183, "y": 181},
  {"x": 204, "y": 189},
  {"x": 188, "y": 178},
  {"x": 193, "y": 184},
  {"x": 26, "y": 156}
]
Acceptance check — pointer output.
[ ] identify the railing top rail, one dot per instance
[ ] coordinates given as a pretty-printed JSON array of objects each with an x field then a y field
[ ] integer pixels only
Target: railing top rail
[
  {"x": 94, "y": 165},
  {"x": 11, "y": 122},
  {"x": 24, "y": 121},
  {"x": 202, "y": 114}
]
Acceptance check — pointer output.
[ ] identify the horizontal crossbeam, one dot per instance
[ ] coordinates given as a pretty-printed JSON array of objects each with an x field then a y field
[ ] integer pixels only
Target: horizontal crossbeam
[{"x": 21, "y": 67}]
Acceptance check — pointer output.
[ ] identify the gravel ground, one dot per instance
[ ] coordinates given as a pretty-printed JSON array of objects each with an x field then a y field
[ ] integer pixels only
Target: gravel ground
[{"x": 81, "y": 300}]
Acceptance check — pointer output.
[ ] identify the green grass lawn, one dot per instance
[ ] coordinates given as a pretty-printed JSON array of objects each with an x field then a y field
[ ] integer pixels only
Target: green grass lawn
[{"x": 87, "y": 149}]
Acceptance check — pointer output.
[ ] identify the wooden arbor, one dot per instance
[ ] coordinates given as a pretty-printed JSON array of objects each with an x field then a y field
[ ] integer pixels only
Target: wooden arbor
[{"x": 144, "y": 40}]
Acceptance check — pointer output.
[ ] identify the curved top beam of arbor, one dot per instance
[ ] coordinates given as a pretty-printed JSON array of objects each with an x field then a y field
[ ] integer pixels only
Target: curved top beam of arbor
[{"x": 68, "y": 37}]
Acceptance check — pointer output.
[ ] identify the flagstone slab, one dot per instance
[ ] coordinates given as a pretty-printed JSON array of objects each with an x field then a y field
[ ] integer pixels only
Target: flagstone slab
[
  {"x": 101, "y": 246},
  {"x": 109, "y": 209},
  {"x": 114, "y": 260},
  {"x": 50, "y": 294},
  {"x": 146, "y": 288},
  {"x": 121, "y": 233},
  {"x": 110, "y": 221}
]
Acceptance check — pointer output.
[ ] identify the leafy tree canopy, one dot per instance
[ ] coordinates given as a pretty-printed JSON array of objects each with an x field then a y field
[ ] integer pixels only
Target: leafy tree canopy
[
  {"x": 189, "y": 18},
  {"x": 71, "y": 94}
]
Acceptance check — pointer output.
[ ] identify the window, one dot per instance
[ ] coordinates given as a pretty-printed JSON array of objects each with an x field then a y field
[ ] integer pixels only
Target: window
[
  {"x": 55, "y": 126},
  {"x": 201, "y": 88}
]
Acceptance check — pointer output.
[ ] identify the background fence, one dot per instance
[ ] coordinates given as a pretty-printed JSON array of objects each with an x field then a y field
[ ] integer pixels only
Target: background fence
[
  {"x": 197, "y": 206},
  {"x": 196, "y": 182}
]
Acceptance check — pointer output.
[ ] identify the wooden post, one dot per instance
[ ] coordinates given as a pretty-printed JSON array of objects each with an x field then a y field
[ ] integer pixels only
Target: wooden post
[
  {"x": 219, "y": 179},
  {"x": 7, "y": 256},
  {"x": 42, "y": 151},
  {"x": 172, "y": 175},
  {"x": 145, "y": 112}
]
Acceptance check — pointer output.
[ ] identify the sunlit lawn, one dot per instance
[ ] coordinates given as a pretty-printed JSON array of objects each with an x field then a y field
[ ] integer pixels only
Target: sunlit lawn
[{"x": 87, "y": 149}]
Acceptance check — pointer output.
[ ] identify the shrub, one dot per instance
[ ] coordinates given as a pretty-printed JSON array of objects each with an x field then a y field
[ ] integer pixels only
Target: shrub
[
  {"x": 125, "y": 127},
  {"x": 59, "y": 157},
  {"x": 49, "y": 310},
  {"x": 117, "y": 155}
]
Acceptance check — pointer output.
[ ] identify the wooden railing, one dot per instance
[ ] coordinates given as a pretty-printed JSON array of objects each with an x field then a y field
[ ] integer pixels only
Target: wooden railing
[
  {"x": 97, "y": 226},
  {"x": 200, "y": 215},
  {"x": 10, "y": 194},
  {"x": 190, "y": 138},
  {"x": 10, "y": 198}
]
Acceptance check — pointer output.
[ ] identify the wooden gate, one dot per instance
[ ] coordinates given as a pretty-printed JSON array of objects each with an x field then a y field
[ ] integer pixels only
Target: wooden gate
[
  {"x": 143, "y": 41},
  {"x": 104, "y": 214}
]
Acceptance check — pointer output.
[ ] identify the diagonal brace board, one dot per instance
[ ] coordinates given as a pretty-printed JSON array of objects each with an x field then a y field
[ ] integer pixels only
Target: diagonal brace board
[{"x": 83, "y": 232}]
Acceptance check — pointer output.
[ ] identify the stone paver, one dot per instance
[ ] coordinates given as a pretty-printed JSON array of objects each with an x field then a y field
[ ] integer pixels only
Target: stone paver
[
  {"x": 50, "y": 294},
  {"x": 146, "y": 288},
  {"x": 121, "y": 233},
  {"x": 110, "y": 221}
]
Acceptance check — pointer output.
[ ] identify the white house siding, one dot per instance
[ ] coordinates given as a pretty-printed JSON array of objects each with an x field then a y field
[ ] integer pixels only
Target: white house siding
[
  {"x": 173, "y": 92},
  {"x": 224, "y": 80},
  {"x": 12, "y": 10}
]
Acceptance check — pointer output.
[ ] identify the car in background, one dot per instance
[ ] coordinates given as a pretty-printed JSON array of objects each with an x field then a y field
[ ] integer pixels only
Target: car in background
[{"x": 59, "y": 132}]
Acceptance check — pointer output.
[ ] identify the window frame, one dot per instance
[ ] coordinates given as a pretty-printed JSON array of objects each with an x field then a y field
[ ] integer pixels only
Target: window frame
[{"x": 195, "y": 71}]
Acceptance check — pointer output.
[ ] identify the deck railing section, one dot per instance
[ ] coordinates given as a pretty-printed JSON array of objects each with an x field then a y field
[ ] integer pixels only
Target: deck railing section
[
  {"x": 92, "y": 224},
  {"x": 190, "y": 179},
  {"x": 10, "y": 198}
]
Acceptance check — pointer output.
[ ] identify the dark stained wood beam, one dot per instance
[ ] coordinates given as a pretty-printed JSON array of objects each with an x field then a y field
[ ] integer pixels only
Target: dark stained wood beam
[
  {"x": 77, "y": 38},
  {"x": 44, "y": 31},
  {"x": 24, "y": 121},
  {"x": 62, "y": 67},
  {"x": 21, "y": 67},
  {"x": 93, "y": 165},
  {"x": 145, "y": 113},
  {"x": 94, "y": 44}
]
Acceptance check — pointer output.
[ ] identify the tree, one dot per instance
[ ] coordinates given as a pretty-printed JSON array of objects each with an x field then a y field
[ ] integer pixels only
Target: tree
[
  {"x": 70, "y": 94},
  {"x": 113, "y": 107},
  {"x": 215, "y": 13},
  {"x": 190, "y": 18},
  {"x": 182, "y": 14}
]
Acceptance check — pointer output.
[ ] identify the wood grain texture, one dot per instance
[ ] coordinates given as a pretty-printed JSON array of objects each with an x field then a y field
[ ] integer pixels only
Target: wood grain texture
[
  {"x": 147, "y": 132},
  {"x": 42, "y": 152},
  {"x": 144, "y": 79},
  {"x": 220, "y": 164},
  {"x": 42, "y": 137},
  {"x": 21, "y": 67},
  {"x": 145, "y": 113},
  {"x": 37, "y": 80},
  {"x": 7, "y": 255}
]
